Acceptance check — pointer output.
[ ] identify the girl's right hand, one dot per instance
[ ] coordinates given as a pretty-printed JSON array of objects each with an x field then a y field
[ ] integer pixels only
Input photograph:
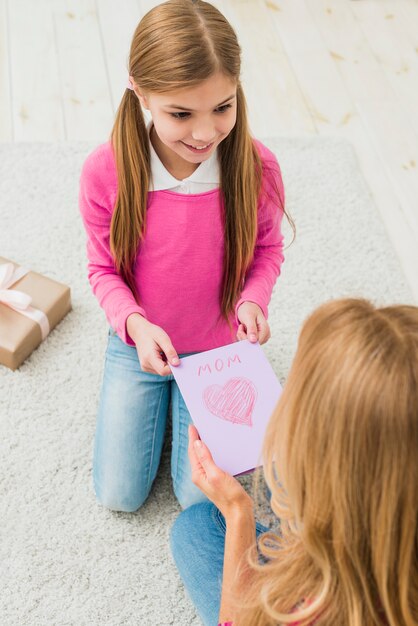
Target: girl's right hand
[{"x": 154, "y": 348}]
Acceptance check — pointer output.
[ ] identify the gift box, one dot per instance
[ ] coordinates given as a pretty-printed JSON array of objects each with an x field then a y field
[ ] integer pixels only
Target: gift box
[{"x": 31, "y": 305}]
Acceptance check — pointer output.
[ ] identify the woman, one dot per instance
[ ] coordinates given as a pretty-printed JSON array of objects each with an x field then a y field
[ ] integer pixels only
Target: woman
[{"x": 341, "y": 461}]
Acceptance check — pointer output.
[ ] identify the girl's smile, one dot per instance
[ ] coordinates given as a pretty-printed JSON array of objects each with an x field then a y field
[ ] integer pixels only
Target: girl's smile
[
  {"x": 189, "y": 124},
  {"x": 199, "y": 149}
]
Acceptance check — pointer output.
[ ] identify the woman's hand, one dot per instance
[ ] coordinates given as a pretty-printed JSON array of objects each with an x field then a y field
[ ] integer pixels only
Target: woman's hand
[
  {"x": 220, "y": 487},
  {"x": 254, "y": 325},
  {"x": 153, "y": 346}
]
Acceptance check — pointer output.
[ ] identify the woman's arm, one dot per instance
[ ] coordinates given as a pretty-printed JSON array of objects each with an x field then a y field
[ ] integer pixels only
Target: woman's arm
[
  {"x": 240, "y": 536},
  {"x": 237, "y": 507}
]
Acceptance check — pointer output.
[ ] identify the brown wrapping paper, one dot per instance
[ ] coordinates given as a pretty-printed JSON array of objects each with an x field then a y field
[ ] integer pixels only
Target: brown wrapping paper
[{"x": 19, "y": 335}]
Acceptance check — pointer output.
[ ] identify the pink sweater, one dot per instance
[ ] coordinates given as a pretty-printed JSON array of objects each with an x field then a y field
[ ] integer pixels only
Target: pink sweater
[{"x": 178, "y": 269}]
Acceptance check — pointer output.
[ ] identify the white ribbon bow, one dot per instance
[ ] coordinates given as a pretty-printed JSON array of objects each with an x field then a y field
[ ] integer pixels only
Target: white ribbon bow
[{"x": 18, "y": 300}]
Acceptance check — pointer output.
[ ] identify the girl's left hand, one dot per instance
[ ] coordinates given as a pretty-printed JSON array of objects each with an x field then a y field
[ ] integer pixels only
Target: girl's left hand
[
  {"x": 254, "y": 325},
  {"x": 220, "y": 487}
]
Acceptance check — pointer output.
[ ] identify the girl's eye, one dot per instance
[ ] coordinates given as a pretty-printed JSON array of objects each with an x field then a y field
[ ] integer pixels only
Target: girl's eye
[
  {"x": 183, "y": 115},
  {"x": 180, "y": 116},
  {"x": 223, "y": 108}
]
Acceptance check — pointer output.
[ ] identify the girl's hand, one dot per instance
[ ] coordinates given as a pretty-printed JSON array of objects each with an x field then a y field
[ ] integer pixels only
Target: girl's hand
[
  {"x": 220, "y": 487},
  {"x": 154, "y": 348},
  {"x": 254, "y": 325}
]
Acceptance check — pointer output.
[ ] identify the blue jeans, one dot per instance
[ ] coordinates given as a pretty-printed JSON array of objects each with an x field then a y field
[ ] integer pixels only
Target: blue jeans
[
  {"x": 131, "y": 423},
  {"x": 197, "y": 542}
]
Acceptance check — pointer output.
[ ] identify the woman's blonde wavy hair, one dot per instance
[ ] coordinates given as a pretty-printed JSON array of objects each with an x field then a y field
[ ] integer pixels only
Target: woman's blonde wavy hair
[
  {"x": 176, "y": 45},
  {"x": 341, "y": 461}
]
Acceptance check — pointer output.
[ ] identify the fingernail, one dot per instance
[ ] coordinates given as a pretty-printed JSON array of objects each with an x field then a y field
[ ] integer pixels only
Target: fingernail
[
  {"x": 175, "y": 360},
  {"x": 198, "y": 446},
  {"x": 253, "y": 337}
]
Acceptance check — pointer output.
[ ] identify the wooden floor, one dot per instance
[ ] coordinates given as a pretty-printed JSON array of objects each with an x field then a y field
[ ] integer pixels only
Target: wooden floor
[{"x": 347, "y": 68}]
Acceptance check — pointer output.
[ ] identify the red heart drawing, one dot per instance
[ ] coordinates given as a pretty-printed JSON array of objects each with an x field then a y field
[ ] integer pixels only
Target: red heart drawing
[{"x": 234, "y": 402}]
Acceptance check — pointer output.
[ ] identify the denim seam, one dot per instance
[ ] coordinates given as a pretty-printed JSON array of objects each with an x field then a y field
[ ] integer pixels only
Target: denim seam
[
  {"x": 153, "y": 439},
  {"x": 174, "y": 478}
]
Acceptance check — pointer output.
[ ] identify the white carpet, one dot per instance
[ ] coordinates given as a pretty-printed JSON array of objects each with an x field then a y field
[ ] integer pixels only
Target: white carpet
[{"x": 64, "y": 559}]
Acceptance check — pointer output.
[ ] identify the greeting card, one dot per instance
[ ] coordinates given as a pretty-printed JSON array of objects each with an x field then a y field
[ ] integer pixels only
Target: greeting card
[{"x": 230, "y": 393}]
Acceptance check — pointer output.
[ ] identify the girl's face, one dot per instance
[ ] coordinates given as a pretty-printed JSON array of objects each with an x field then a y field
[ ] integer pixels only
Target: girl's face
[{"x": 193, "y": 118}]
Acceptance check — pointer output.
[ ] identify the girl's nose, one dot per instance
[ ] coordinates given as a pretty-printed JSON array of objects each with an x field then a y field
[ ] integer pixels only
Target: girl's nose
[{"x": 204, "y": 134}]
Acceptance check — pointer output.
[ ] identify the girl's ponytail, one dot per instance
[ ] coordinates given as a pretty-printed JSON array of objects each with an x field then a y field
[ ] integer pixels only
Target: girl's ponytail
[
  {"x": 132, "y": 155},
  {"x": 241, "y": 171}
]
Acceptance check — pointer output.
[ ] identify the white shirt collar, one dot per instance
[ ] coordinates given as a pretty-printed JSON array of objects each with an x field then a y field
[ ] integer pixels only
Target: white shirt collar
[{"x": 206, "y": 173}]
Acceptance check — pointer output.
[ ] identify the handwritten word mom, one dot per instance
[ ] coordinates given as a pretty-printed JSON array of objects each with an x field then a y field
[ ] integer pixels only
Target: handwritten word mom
[{"x": 218, "y": 365}]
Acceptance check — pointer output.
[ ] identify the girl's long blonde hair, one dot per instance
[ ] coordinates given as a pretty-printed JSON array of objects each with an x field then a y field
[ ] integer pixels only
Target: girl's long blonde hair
[
  {"x": 177, "y": 45},
  {"x": 341, "y": 460}
]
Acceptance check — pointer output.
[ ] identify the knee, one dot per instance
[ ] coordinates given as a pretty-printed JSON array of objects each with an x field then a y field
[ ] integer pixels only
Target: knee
[
  {"x": 124, "y": 503},
  {"x": 180, "y": 536},
  {"x": 187, "y": 497},
  {"x": 180, "y": 527},
  {"x": 187, "y": 529}
]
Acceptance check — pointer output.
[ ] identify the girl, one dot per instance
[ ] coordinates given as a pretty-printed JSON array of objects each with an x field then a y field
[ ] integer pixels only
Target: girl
[
  {"x": 183, "y": 219},
  {"x": 343, "y": 441}
]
